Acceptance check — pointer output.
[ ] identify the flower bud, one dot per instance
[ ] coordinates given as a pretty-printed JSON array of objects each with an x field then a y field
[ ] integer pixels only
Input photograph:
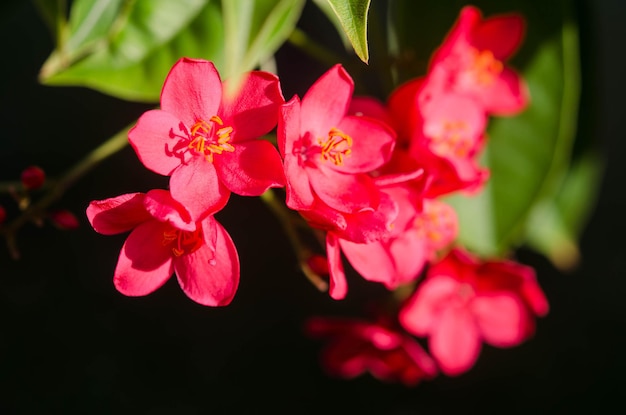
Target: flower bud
[{"x": 33, "y": 177}]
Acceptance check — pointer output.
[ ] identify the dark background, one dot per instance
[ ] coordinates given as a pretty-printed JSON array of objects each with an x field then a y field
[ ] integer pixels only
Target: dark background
[{"x": 69, "y": 343}]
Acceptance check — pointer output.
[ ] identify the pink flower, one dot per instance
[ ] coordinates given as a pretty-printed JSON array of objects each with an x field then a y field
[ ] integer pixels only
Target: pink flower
[
  {"x": 165, "y": 239},
  {"x": 463, "y": 302},
  {"x": 359, "y": 346},
  {"x": 206, "y": 140},
  {"x": 470, "y": 62},
  {"x": 328, "y": 153},
  {"x": 444, "y": 137}
]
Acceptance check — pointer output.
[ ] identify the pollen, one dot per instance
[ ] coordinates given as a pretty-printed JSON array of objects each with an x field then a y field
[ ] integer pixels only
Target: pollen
[
  {"x": 485, "y": 68},
  {"x": 335, "y": 147},
  {"x": 210, "y": 137},
  {"x": 183, "y": 242}
]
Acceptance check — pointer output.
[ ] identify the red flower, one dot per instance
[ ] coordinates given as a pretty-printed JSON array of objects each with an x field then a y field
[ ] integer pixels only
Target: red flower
[
  {"x": 359, "y": 346},
  {"x": 470, "y": 62},
  {"x": 328, "y": 153},
  {"x": 206, "y": 141},
  {"x": 165, "y": 239},
  {"x": 463, "y": 302}
]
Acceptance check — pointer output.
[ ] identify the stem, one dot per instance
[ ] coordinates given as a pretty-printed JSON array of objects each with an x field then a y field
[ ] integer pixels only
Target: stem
[
  {"x": 301, "y": 40},
  {"x": 34, "y": 211},
  {"x": 290, "y": 223}
]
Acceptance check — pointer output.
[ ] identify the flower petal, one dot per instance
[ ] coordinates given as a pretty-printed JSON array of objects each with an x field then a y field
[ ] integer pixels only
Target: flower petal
[
  {"x": 117, "y": 214},
  {"x": 253, "y": 110},
  {"x": 372, "y": 261},
  {"x": 251, "y": 169},
  {"x": 420, "y": 314},
  {"x": 152, "y": 137},
  {"x": 338, "y": 284},
  {"x": 372, "y": 144},
  {"x": 501, "y": 319},
  {"x": 192, "y": 91},
  {"x": 197, "y": 187},
  {"x": 210, "y": 275},
  {"x": 348, "y": 193},
  {"x": 500, "y": 34},
  {"x": 455, "y": 342},
  {"x": 508, "y": 95},
  {"x": 160, "y": 204},
  {"x": 145, "y": 263},
  {"x": 326, "y": 102}
]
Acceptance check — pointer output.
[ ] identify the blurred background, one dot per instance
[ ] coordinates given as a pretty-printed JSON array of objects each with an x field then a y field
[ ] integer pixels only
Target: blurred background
[{"x": 69, "y": 343}]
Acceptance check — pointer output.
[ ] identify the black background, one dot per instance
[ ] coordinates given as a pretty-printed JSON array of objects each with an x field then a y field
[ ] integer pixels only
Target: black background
[{"x": 69, "y": 343}]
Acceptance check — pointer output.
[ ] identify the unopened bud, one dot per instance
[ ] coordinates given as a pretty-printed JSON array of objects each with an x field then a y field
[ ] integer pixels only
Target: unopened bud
[
  {"x": 64, "y": 219},
  {"x": 33, "y": 177}
]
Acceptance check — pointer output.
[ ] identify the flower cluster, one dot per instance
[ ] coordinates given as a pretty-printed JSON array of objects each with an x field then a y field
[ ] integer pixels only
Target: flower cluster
[{"x": 367, "y": 175}]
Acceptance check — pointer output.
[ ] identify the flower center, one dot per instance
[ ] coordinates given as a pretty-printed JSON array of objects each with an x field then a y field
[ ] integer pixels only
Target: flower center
[
  {"x": 183, "y": 242},
  {"x": 453, "y": 140},
  {"x": 484, "y": 67},
  {"x": 437, "y": 224},
  {"x": 205, "y": 138},
  {"x": 335, "y": 147}
]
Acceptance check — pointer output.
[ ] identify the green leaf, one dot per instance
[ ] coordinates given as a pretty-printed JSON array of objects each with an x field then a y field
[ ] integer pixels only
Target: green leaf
[
  {"x": 53, "y": 12},
  {"x": 254, "y": 30},
  {"x": 526, "y": 154},
  {"x": 126, "y": 48},
  {"x": 352, "y": 15},
  {"x": 555, "y": 224}
]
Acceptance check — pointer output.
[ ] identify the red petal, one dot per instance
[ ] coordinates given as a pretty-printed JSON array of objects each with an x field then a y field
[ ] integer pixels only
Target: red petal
[
  {"x": 348, "y": 193},
  {"x": 253, "y": 110},
  {"x": 500, "y": 34},
  {"x": 372, "y": 144},
  {"x": 455, "y": 342},
  {"x": 118, "y": 214},
  {"x": 338, "y": 284},
  {"x": 420, "y": 315},
  {"x": 151, "y": 138},
  {"x": 373, "y": 261},
  {"x": 508, "y": 95},
  {"x": 197, "y": 187},
  {"x": 160, "y": 204},
  {"x": 251, "y": 169},
  {"x": 210, "y": 276},
  {"x": 145, "y": 263},
  {"x": 501, "y": 319},
  {"x": 326, "y": 102},
  {"x": 192, "y": 91}
]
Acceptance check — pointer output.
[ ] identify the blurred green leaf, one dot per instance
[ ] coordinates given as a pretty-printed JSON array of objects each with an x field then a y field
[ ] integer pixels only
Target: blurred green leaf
[
  {"x": 350, "y": 18},
  {"x": 555, "y": 224},
  {"x": 254, "y": 30},
  {"x": 526, "y": 154},
  {"x": 53, "y": 12},
  {"x": 126, "y": 48}
]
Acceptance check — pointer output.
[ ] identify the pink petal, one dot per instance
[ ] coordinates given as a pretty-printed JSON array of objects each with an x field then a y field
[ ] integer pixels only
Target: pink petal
[
  {"x": 500, "y": 34},
  {"x": 253, "y": 110},
  {"x": 326, "y": 102},
  {"x": 409, "y": 254},
  {"x": 117, "y": 214},
  {"x": 403, "y": 109},
  {"x": 251, "y": 169},
  {"x": 501, "y": 319},
  {"x": 455, "y": 342},
  {"x": 338, "y": 284},
  {"x": 372, "y": 144},
  {"x": 373, "y": 261},
  {"x": 369, "y": 107},
  {"x": 197, "y": 187},
  {"x": 162, "y": 207},
  {"x": 299, "y": 192},
  {"x": 347, "y": 193},
  {"x": 152, "y": 137},
  {"x": 192, "y": 91},
  {"x": 288, "y": 131},
  {"x": 210, "y": 276},
  {"x": 420, "y": 314},
  {"x": 469, "y": 19},
  {"x": 370, "y": 225},
  {"x": 508, "y": 95},
  {"x": 145, "y": 263}
]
